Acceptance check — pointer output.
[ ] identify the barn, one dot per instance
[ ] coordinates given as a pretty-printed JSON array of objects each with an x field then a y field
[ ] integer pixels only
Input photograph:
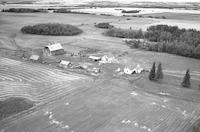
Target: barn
[{"x": 53, "y": 49}]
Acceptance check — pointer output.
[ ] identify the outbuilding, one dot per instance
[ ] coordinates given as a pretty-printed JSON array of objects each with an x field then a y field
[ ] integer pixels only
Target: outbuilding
[
  {"x": 34, "y": 58},
  {"x": 64, "y": 64}
]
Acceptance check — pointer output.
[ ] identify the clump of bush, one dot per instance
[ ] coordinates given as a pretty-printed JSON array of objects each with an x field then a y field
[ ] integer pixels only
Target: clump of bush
[
  {"x": 195, "y": 127},
  {"x": 52, "y": 29},
  {"x": 124, "y": 33},
  {"x": 104, "y": 25},
  {"x": 24, "y": 10}
]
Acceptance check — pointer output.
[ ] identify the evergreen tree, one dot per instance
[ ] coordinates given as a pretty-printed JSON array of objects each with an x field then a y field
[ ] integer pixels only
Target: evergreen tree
[
  {"x": 186, "y": 79},
  {"x": 152, "y": 73},
  {"x": 159, "y": 73}
]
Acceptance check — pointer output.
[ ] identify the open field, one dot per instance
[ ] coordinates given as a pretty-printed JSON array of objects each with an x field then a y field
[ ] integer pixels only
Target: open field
[{"x": 72, "y": 102}]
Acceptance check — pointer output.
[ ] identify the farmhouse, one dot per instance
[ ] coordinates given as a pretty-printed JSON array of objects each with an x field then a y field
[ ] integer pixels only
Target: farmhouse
[
  {"x": 136, "y": 70},
  {"x": 53, "y": 49}
]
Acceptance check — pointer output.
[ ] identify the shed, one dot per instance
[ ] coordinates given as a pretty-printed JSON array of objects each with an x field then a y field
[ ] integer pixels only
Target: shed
[
  {"x": 106, "y": 59},
  {"x": 34, "y": 57},
  {"x": 53, "y": 49},
  {"x": 94, "y": 58},
  {"x": 64, "y": 64}
]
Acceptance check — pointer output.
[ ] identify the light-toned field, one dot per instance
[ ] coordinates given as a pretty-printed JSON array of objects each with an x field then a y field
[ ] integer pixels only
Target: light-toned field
[{"x": 78, "y": 103}]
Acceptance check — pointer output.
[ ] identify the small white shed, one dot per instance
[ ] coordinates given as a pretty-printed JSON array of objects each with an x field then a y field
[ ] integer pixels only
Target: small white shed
[
  {"x": 34, "y": 57},
  {"x": 64, "y": 64}
]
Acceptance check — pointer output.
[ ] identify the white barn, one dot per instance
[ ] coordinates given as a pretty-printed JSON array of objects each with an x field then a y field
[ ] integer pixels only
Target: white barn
[{"x": 53, "y": 49}]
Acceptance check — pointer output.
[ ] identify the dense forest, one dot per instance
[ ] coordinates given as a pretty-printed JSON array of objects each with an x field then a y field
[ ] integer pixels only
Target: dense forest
[
  {"x": 23, "y": 10},
  {"x": 163, "y": 38},
  {"x": 52, "y": 29}
]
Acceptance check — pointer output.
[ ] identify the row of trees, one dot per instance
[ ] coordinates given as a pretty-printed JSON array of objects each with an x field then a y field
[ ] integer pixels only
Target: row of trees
[
  {"x": 158, "y": 75},
  {"x": 52, "y": 29}
]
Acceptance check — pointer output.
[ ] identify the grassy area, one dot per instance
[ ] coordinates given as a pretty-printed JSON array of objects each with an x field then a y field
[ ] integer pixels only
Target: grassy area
[
  {"x": 52, "y": 29},
  {"x": 124, "y": 33},
  {"x": 14, "y": 105}
]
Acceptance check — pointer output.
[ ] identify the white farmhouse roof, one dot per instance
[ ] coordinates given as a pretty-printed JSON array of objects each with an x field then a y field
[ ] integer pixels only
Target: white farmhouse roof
[
  {"x": 34, "y": 57},
  {"x": 128, "y": 71},
  {"x": 54, "y": 47},
  {"x": 137, "y": 70}
]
